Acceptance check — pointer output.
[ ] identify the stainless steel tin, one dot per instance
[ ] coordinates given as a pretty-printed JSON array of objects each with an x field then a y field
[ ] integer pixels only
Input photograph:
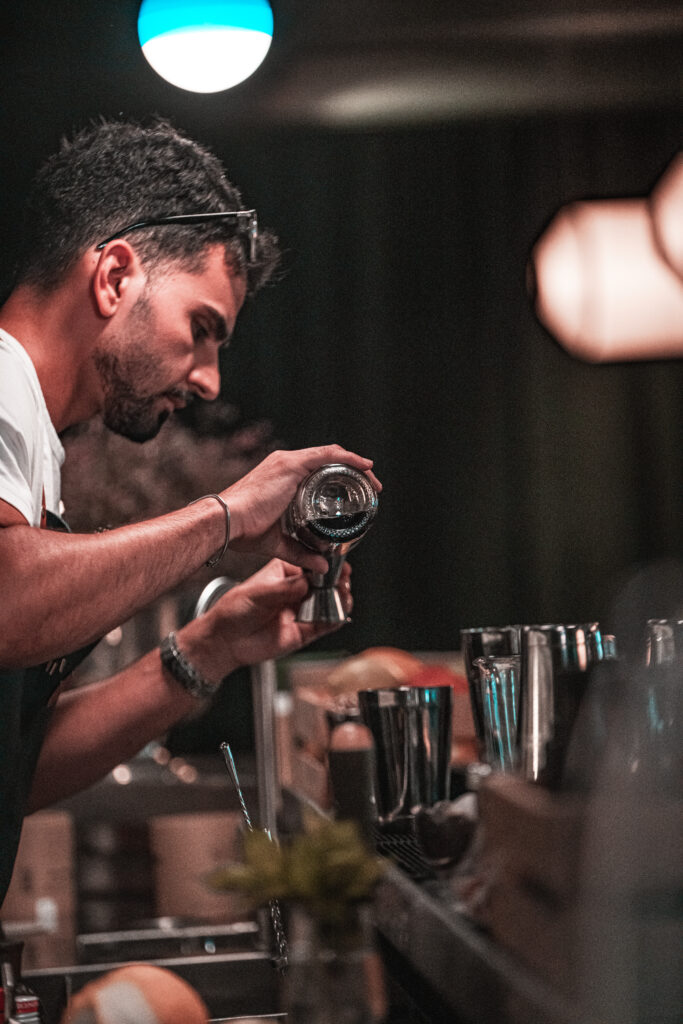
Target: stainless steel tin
[
  {"x": 556, "y": 660},
  {"x": 411, "y": 728}
]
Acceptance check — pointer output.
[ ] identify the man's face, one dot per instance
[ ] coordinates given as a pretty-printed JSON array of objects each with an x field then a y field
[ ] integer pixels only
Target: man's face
[{"x": 165, "y": 350}]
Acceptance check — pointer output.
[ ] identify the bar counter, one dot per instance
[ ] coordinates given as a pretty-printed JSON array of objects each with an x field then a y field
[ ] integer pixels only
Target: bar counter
[
  {"x": 440, "y": 967},
  {"x": 448, "y": 967}
]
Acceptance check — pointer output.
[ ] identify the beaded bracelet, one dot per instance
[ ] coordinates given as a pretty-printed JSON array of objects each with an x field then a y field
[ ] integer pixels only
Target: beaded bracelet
[{"x": 183, "y": 671}]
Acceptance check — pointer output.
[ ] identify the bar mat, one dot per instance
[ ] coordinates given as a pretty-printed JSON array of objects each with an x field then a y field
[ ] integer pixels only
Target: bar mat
[{"x": 397, "y": 841}]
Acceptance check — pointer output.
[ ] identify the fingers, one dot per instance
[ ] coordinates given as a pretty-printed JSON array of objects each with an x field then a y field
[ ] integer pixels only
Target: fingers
[
  {"x": 316, "y": 457},
  {"x": 373, "y": 480},
  {"x": 279, "y": 584},
  {"x": 258, "y": 500},
  {"x": 279, "y": 592},
  {"x": 290, "y": 570},
  {"x": 291, "y": 551},
  {"x": 287, "y": 584}
]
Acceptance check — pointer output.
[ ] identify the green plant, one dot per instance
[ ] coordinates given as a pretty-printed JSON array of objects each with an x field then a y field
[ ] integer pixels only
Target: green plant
[{"x": 328, "y": 871}]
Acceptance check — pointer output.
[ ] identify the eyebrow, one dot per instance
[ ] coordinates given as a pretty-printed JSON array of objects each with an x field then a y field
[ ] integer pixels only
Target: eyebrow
[{"x": 219, "y": 324}]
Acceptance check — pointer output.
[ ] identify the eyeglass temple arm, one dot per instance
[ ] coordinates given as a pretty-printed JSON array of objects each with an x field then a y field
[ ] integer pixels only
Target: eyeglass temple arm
[{"x": 194, "y": 218}]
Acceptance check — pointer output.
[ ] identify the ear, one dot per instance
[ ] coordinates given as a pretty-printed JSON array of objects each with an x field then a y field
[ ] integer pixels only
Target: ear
[{"x": 117, "y": 272}]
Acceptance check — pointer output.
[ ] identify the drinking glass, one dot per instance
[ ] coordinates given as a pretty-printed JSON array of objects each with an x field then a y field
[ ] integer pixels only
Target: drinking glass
[
  {"x": 499, "y": 680},
  {"x": 481, "y": 642}
]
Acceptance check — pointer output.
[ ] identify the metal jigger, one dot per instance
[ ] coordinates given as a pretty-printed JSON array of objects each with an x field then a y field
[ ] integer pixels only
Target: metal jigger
[{"x": 331, "y": 511}]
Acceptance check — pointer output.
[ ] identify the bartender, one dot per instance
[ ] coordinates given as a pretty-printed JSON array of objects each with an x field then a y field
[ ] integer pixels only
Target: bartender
[{"x": 137, "y": 256}]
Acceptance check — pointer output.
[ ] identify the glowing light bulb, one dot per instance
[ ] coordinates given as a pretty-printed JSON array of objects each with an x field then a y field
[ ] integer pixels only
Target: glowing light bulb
[
  {"x": 666, "y": 207},
  {"x": 602, "y": 288},
  {"x": 205, "y": 45}
]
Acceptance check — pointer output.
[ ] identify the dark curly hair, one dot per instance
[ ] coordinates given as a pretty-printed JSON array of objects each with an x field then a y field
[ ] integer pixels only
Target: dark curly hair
[{"x": 114, "y": 173}]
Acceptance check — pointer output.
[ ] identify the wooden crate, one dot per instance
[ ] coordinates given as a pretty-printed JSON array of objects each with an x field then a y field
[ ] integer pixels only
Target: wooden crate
[
  {"x": 585, "y": 892},
  {"x": 44, "y": 870},
  {"x": 531, "y": 856},
  {"x": 186, "y": 848}
]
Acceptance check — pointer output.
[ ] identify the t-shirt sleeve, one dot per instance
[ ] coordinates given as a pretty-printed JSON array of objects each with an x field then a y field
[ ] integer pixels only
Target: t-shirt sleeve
[
  {"x": 14, "y": 474},
  {"x": 18, "y": 449}
]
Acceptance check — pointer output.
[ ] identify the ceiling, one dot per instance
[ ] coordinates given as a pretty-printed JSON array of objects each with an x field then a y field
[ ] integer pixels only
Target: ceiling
[
  {"x": 337, "y": 63},
  {"x": 404, "y": 61}
]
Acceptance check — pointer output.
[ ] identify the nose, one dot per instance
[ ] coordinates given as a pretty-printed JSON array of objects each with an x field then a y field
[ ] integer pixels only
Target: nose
[{"x": 204, "y": 379}]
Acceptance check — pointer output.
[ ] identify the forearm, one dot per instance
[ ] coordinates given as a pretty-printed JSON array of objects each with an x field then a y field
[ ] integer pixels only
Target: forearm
[
  {"x": 100, "y": 725},
  {"x": 62, "y": 591}
]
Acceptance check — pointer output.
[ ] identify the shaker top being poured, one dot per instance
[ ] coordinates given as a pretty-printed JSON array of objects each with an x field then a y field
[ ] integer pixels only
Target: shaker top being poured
[
  {"x": 335, "y": 505},
  {"x": 331, "y": 511}
]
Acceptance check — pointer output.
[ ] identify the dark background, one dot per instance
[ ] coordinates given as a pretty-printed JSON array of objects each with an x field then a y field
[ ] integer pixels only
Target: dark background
[{"x": 408, "y": 154}]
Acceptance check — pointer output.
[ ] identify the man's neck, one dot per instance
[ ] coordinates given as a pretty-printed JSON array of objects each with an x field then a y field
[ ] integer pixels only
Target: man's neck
[{"x": 47, "y": 327}]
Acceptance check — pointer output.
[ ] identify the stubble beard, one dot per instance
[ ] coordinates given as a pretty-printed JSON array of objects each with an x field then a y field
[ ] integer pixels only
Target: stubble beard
[
  {"x": 127, "y": 413},
  {"x": 126, "y": 370}
]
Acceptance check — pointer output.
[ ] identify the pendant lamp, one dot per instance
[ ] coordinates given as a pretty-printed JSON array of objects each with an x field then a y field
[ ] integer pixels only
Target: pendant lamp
[{"x": 205, "y": 45}]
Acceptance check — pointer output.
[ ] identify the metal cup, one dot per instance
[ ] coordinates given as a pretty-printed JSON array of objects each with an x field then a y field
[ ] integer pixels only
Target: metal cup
[
  {"x": 556, "y": 660},
  {"x": 411, "y": 728},
  {"x": 664, "y": 641},
  {"x": 499, "y": 684},
  {"x": 484, "y": 642}
]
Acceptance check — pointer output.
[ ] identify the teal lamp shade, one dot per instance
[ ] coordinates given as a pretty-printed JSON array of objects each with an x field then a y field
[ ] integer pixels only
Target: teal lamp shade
[{"x": 205, "y": 45}]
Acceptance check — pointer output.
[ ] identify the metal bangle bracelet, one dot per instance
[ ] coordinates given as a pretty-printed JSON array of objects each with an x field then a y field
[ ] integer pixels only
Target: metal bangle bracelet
[{"x": 217, "y": 558}]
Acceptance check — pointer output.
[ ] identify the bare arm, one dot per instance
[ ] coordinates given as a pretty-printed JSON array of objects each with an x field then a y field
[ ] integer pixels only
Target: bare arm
[
  {"x": 98, "y": 726},
  {"x": 64, "y": 590}
]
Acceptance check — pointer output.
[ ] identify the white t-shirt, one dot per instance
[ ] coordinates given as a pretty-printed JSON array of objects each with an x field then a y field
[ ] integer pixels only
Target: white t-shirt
[{"x": 31, "y": 454}]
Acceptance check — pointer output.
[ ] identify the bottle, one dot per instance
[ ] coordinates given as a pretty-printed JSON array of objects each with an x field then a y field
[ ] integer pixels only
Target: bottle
[{"x": 19, "y": 1004}]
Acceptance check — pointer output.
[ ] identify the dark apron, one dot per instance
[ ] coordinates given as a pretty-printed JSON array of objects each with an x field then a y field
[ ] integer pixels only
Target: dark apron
[{"x": 24, "y": 717}]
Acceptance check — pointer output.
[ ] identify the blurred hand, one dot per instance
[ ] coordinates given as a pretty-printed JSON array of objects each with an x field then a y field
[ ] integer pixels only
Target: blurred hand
[
  {"x": 256, "y": 620},
  {"x": 258, "y": 500}
]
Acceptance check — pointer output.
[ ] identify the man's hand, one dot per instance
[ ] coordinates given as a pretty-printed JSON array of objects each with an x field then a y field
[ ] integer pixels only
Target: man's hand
[
  {"x": 258, "y": 500},
  {"x": 256, "y": 620},
  {"x": 253, "y": 622}
]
